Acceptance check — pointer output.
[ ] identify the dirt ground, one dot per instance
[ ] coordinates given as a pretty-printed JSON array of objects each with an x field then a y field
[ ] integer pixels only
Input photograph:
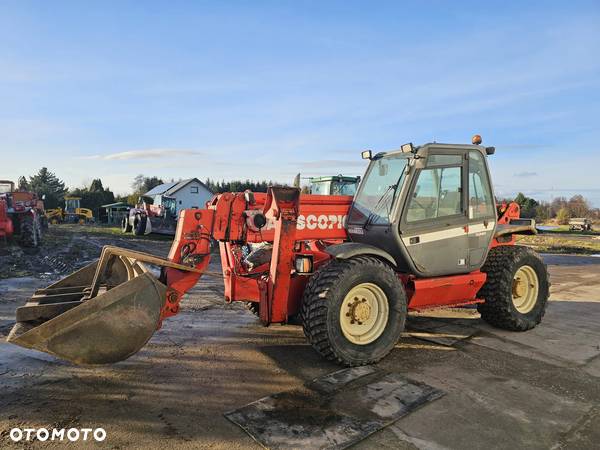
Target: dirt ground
[{"x": 539, "y": 389}]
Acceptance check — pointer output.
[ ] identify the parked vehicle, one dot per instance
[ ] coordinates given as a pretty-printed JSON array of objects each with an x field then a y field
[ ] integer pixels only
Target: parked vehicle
[
  {"x": 334, "y": 185},
  {"x": 146, "y": 218},
  {"x": 72, "y": 213},
  {"x": 580, "y": 224},
  {"x": 21, "y": 215}
]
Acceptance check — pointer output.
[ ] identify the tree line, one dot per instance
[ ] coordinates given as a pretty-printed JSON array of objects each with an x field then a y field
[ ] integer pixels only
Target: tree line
[
  {"x": 560, "y": 209},
  {"x": 47, "y": 183},
  {"x": 218, "y": 187}
]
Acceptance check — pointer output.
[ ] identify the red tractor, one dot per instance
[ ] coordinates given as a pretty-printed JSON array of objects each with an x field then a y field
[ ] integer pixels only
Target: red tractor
[
  {"x": 21, "y": 214},
  {"x": 421, "y": 232}
]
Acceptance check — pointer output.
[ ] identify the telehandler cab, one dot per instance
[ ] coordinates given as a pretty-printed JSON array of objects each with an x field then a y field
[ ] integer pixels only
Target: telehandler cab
[{"x": 421, "y": 232}]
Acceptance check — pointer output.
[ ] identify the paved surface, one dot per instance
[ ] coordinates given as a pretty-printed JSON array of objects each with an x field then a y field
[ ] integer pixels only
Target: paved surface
[{"x": 539, "y": 389}]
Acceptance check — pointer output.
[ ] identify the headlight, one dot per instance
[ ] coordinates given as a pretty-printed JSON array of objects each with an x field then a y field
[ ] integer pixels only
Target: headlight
[{"x": 304, "y": 264}]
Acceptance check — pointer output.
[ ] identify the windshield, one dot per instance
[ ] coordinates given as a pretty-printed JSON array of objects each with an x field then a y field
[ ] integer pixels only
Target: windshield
[
  {"x": 373, "y": 202},
  {"x": 71, "y": 204},
  {"x": 343, "y": 188}
]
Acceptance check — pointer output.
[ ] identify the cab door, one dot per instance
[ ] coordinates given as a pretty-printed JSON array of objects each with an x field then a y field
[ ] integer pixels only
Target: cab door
[
  {"x": 481, "y": 209},
  {"x": 434, "y": 221}
]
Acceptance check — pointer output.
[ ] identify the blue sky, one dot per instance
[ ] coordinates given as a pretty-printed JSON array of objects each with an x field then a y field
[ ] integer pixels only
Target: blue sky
[{"x": 269, "y": 89}]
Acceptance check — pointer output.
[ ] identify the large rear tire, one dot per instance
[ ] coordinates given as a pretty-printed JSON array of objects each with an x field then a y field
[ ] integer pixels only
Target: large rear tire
[
  {"x": 29, "y": 232},
  {"x": 353, "y": 311},
  {"x": 516, "y": 290}
]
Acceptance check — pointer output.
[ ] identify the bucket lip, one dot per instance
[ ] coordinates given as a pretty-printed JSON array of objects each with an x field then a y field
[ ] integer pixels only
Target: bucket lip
[{"x": 40, "y": 337}]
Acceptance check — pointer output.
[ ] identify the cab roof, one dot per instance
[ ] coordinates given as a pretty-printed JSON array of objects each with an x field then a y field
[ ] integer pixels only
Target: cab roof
[{"x": 438, "y": 146}]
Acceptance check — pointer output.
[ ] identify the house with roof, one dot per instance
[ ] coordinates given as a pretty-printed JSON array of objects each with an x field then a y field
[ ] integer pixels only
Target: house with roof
[{"x": 190, "y": 193}]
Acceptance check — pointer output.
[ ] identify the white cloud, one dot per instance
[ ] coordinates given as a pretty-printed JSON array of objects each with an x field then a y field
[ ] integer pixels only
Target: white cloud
[
  {"x": 326, "y": 163},
  {"x": 526, "y": 174},
  {"x": 145, "y": 154}
]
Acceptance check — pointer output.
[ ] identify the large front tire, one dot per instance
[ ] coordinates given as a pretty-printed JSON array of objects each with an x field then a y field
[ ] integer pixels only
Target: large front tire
[
  {"x": 139, "y": 225},
  {"x": 353, "y": 311},
  {"x": 125, "y": 225},
  {"x": 516, "y": 290}
]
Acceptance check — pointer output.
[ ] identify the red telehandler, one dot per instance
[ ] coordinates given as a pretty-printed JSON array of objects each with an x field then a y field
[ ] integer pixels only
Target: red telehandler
[{"x": 421, "y": 232}]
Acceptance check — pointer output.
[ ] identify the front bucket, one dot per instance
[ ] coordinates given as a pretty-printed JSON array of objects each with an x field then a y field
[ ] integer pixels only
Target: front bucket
[{"x": 107, "y": 328}]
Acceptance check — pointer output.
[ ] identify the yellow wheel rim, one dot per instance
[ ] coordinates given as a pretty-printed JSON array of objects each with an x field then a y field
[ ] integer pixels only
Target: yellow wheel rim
[
  {"x": 525, "y": 289},
  {"x": 364, "y": 313}
]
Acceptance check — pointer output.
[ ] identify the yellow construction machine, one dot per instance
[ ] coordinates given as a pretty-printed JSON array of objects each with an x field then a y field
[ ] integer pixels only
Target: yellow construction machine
[{"x": 73, "y": 212}]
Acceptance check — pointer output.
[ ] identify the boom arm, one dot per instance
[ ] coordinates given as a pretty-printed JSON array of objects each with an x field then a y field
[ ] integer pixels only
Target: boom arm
[{"x": 290, "y": 222}]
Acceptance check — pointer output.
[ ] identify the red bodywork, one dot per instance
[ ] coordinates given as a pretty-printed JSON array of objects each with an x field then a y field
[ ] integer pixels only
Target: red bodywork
[
  {"x": 6, "y": 225},
  {"x": 297, "y": 225},
  {"x": 15, "y": 204}
]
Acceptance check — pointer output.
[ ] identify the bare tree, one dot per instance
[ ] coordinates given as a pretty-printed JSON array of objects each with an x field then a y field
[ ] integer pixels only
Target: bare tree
[{"x": 578, "y": 206}]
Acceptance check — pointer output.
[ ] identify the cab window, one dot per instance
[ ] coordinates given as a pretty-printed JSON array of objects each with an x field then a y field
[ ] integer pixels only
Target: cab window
[
  {"x": 480, "y": 196},
  {"x": 437, "y": 194},
  {"x": 320, "y": 188}
]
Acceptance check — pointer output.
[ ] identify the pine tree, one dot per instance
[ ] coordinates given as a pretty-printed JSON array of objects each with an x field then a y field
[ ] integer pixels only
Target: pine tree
[
  {"x": 48, "y": 184},
  {"x": 23, "y": 185},
  {"x": 96, "y": 186}
]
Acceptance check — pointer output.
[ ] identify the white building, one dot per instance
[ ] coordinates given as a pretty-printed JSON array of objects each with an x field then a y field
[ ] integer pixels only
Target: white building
[{"x": 190, "y": 193}]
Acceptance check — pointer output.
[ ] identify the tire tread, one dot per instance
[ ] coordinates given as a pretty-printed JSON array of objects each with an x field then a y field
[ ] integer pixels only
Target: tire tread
[
  {"x": 497, "y": 309},
  {"x": 316, "y": 300}
]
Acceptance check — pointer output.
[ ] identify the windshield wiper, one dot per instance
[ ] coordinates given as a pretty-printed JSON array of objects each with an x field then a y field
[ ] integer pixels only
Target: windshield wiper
[{"x": 383, "y": 197}]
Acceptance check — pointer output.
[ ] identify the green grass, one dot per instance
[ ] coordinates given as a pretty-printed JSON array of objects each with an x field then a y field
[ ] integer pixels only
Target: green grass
[
  {"x": 105, "y": 230},
  {"x": 561, "y": 244}
]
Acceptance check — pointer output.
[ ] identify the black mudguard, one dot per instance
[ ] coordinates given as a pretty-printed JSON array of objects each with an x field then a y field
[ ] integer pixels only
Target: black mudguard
[{"x": 349, "y": 250}]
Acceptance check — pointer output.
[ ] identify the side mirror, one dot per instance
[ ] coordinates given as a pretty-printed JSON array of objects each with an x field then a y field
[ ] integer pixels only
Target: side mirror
[{"x": 367, "y": 154}]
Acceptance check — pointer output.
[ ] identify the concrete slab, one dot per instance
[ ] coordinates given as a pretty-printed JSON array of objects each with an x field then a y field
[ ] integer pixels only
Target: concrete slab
[
  {"x": 334, "y": 411},
  {"x": 569, "y": 332},
  {"x": 573, "y": 278},
  {"x": 482, "y": 410}
]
